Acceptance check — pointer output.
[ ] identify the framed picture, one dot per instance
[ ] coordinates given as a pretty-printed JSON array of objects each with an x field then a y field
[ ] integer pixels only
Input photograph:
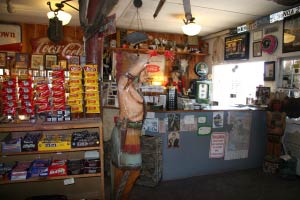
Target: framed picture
[
  {"x": 63, "y": 64},
  {"x": 73, "y": 60},
  {"x": 37, "y": 61},
  {"x": 237, "y": 47},
  {"x": 22, "y": 60},
  {"x": 291, "y": 34},
  {"x": 3, "y": 59},
  {"x": 269, "y": 71},
  {"x": 257, "y": 52},
  {"x": 50, "y": 59},
  {"x": 257, "y": 35}
]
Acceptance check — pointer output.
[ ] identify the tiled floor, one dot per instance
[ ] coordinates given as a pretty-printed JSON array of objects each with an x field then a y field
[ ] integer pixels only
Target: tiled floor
[{"x": 252, "y": 184}]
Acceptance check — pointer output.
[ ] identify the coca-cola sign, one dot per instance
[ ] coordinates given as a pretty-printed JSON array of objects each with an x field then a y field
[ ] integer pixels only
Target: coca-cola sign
[{"x": 65, "y": 48}]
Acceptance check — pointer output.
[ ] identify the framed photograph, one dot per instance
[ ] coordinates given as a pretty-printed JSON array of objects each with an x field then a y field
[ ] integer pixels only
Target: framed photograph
[
  {"x": 22, "y": 60},
  {"x": 37, "y": 61},
  {"x": 269, "y": 71},
  {"x": 237, "y": 47},
  {"x": 50, "y": 59},
  {"x": 3, "y": 59},
  {"x": 73, "y": 60},
  {"x": 257, "y": 35},
  {"x": 257, "y": 52},
  {"x": 63, "y": 64},
  {"x": 291, "y": 34}
]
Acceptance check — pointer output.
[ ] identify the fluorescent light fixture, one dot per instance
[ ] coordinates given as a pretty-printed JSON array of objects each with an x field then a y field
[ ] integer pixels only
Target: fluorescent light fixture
[
  {"x": 61, "y": 15},
  {"x": 191, "y": 28}
]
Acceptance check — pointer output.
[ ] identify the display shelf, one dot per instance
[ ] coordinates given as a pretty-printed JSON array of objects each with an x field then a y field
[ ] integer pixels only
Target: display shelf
[
  {"x": 38, "y": 179},
  {"x": 158, "y": 51},
  {"x": 87, "y": 123},
  {"x": 49, "y": 152}
]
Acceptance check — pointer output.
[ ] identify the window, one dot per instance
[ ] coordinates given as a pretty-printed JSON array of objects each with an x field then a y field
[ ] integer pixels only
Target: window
[{"x": 233, "y": 83}]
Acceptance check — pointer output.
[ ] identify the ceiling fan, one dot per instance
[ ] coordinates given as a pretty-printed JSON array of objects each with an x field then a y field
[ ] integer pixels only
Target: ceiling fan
[{"x": 286, "y": 2}]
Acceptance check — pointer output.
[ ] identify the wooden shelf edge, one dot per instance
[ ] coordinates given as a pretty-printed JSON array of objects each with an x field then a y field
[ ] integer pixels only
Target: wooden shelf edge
[
  {"x": 50, "y": 126},
  {"x": 158, "y": 51},
  {"x": 52, "y": 151},
  {"x": 38, "y": 179}
]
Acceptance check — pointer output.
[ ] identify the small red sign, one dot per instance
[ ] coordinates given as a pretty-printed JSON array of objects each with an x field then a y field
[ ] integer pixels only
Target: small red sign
[{"x": 153, "y": 68}]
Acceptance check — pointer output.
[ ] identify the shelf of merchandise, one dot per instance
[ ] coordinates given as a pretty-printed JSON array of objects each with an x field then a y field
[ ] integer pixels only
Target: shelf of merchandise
[
  {"x": 50, "y": 126},
  {"x": 158, "y": 51}
]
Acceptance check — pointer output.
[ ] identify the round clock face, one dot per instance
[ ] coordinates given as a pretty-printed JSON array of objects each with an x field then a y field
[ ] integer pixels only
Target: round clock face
[{"x": 201, "y": 68}]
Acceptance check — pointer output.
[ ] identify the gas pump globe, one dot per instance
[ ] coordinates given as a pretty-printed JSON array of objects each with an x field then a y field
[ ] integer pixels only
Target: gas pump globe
[{"x": 203, "y": 85}]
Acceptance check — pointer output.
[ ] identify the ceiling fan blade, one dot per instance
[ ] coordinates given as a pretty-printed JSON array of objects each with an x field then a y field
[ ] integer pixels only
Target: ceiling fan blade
[
  {"x": 287, "y": 2},
  {"x": 158, "y": 8}
]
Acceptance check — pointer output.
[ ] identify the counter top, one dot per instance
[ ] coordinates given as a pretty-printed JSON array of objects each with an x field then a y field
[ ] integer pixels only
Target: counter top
[{"x": 213, "y": 108}]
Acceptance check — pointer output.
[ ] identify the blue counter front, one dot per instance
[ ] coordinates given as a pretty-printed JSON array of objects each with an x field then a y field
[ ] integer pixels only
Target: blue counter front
[{"x": 191, "y": 158}]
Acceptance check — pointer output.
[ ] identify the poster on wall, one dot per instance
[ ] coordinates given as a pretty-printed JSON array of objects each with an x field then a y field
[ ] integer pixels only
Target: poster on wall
[
  {"x": 218, "y": 119},
  {"x": 239, "y": 129},
  {"x": 151, "y": 125},
  {"x": 237, "y": 47},
  {"x": 188, "y": 123},
  {"x": 173, "y": 139},
  {"x": 204, "y": 127},
  {"x": 217, "y": 145},
  {"x": 122, "y": 60},
  {"x": 173, "y": 122},
  {"x": 291, "y": 34}
]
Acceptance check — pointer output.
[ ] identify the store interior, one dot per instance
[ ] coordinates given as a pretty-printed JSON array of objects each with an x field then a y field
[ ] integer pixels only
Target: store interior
[{"x": 164, "y": 99}]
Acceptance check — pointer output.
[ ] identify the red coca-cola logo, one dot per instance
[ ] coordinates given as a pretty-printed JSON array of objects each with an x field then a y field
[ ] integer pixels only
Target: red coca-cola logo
[
  {"x": 153, "y": 68},
  {"x": 68, "y": 47}
]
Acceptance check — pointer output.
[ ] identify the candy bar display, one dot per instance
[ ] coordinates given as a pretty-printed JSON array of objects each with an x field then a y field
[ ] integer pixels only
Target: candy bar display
[
  {"x": 11, "y": 144},
  {"x": 58, "y": 89},
  {"x": 20, "y": 171},
  {"x": 30, "y": 142},
  {"x": 43, "y": 94},
  {"x": 91, "y": 166},
  {"x": 75, "y": 166},
  {"x": 9, "y": 96},
  {"x": 57, "y": 168},
  {"x": 26, "y": 96},
  {"x": 39, "y": 168},
  {"x": 92, "y": 101},
  {"x": 85, "y": 139},
  {"x": 54, "y": 142},
  {"x": 75, "y": 99}
]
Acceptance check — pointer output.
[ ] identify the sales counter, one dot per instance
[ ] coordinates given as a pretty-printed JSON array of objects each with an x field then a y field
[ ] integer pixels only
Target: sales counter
[{"x": 191, "y": 155}]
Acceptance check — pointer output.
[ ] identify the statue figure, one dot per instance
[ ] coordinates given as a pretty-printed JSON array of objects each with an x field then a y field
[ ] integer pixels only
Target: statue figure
[
  {"x": 275, "y": 129},
  {"x": 126, "y": 159},
  {"x": 126, "y": 154}
]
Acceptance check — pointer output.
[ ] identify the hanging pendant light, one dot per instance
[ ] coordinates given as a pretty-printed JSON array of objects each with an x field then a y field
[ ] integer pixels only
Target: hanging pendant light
[
  {"x": 137, "y": 36},
  {"x": 189, "y": 28}
]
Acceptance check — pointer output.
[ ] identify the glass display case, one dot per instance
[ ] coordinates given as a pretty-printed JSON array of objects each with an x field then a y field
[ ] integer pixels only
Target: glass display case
[{"x": 289, "y": 76}]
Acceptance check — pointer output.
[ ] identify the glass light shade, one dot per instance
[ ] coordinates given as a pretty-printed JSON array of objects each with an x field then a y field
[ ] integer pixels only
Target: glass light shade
[
  {"x": 191, "y": 29},
  {"x": 61, "y": 15}
]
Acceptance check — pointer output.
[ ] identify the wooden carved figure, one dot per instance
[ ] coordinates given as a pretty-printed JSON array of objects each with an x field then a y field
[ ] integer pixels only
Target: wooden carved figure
[
  {"x": 275, "y": 129},
  {"x": 126, "y": 155},
  {"x": 126, "y": 159}
]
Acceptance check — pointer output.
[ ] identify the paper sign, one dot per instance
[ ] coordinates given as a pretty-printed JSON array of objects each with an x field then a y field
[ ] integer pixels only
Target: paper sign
[{"x": 217, "y": 145}]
